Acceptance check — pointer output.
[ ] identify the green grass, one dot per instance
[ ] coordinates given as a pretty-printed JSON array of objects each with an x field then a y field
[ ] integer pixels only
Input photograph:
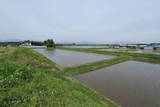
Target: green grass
[
  {"x": 29, "y": 79},
  {"x": 94, "y": 65}
]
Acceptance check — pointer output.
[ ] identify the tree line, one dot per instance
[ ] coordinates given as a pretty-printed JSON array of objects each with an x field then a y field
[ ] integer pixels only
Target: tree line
[{"x": 48, "y": 43}]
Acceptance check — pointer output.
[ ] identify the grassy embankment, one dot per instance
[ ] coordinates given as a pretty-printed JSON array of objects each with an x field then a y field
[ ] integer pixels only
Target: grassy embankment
[
  {"x": 94, "y": 65},
  {"x": 29, "y": 79}
]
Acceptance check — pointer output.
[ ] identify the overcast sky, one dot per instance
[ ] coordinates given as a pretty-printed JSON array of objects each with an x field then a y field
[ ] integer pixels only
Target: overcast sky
[{"x": 100, "y": 21}]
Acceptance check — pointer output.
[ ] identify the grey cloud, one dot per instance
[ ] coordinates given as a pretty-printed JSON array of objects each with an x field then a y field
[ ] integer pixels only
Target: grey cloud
[{"x": 81, "y": 20}]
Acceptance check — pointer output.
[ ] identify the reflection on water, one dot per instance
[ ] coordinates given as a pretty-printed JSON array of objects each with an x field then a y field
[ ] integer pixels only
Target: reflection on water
[
  {"x": 70, "y": 58},
  {"x": 131, "y": 84}
]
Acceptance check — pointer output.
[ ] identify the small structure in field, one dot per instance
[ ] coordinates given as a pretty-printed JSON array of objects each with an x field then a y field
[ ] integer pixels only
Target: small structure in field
[
  {"x": 156, "y": 47},
  {"x": 26, "y": 43}
]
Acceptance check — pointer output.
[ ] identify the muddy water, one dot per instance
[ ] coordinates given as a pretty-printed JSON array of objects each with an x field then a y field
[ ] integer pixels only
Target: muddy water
[
  {"x": 130, "y": 84},
  {"x": 71, "y": 58}
]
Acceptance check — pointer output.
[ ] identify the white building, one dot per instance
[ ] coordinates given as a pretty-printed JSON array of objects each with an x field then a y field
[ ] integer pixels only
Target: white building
[{"x": 26, "y": 44}]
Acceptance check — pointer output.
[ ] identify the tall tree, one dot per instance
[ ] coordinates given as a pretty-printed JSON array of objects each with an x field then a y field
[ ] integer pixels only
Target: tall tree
[{"x": 49, "y": 43}]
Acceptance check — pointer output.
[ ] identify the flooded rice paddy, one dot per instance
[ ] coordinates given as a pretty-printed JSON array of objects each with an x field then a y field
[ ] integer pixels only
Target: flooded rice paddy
[
  {"x": 86, "y": 46},
  {"x": 133, "y": 51},
  {"x": 71, "y": 58},
  {"x": 130, "y": 84}
]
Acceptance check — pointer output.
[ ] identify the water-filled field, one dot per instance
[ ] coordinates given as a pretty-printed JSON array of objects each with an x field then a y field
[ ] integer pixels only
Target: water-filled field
[
  {"x": 71, "y": 58},
  {"x": 130, "y": 84},
  {"x": 86, "y": 46},
  {"x": 132, "y": 51}
]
